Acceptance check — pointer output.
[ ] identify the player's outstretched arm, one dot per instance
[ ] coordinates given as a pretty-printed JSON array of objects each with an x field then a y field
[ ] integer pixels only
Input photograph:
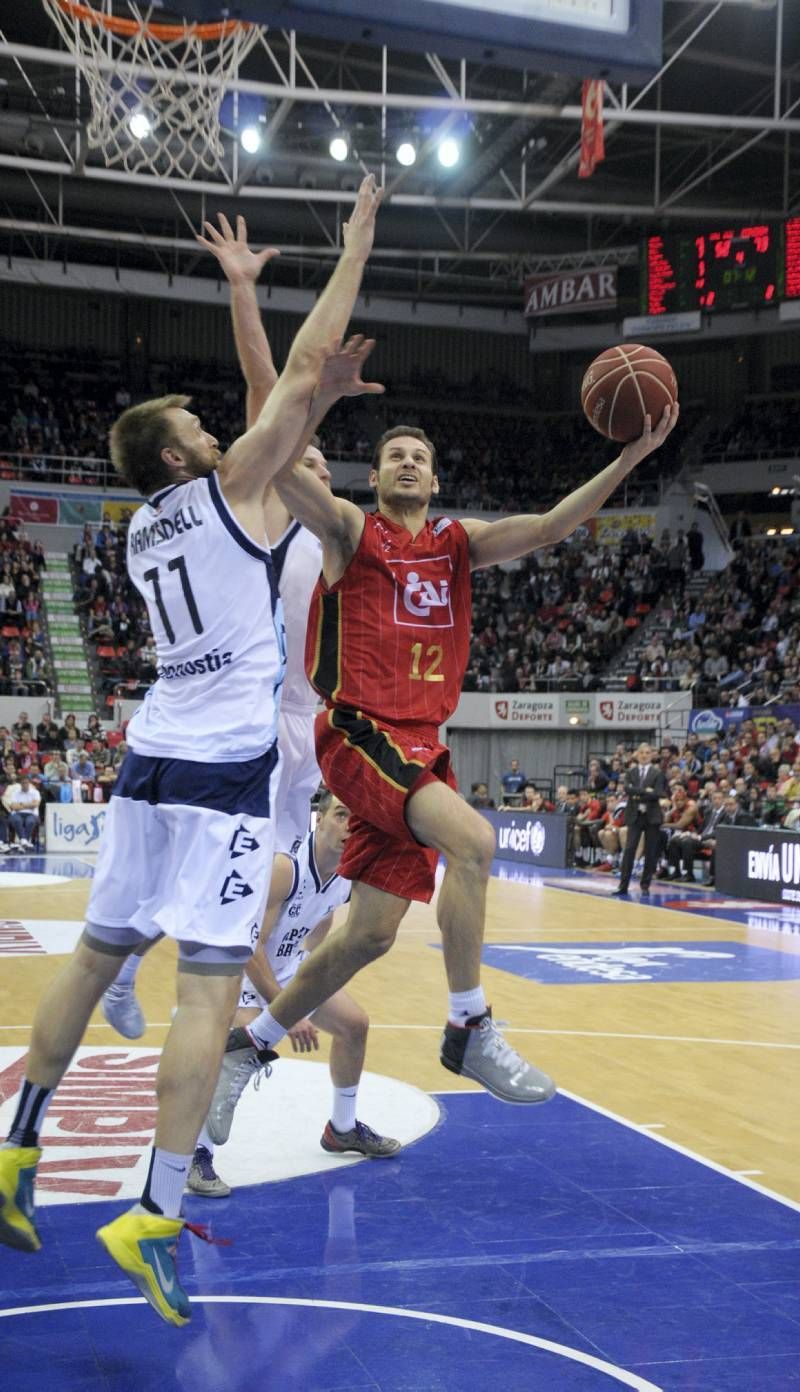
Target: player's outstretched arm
[
  {"x": 336, "y": 522},
  {"x": 242, "y": 268},
  {"x": 272, "y": 441},
  {"x": 491, "y": 543}
]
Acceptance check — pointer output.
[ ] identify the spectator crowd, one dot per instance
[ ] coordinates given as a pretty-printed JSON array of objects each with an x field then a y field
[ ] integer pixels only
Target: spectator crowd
[
  {"x": 24, "y": 665},
  {"x": 52, "y": 762},
  {"x": 747, "y": 777}
]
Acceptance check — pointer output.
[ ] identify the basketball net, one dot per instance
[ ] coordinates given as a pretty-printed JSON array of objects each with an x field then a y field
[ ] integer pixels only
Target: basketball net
[{"x": 170, "y": 76}]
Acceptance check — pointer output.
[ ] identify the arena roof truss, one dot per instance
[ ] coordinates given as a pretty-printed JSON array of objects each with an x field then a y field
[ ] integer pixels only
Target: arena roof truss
[{"x": 713, "y": 135}]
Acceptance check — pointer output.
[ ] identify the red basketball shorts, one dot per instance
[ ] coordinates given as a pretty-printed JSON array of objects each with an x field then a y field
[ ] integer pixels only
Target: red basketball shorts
[{"x": 373, "y": 766}]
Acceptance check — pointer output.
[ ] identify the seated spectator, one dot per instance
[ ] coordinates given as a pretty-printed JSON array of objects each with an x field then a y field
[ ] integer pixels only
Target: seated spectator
[
  {"x": 82, "y": 767},
  {"x": 21, "y": 801},
  {"x": 684, "y": 846},
  {"x": 479, "y": 796}
]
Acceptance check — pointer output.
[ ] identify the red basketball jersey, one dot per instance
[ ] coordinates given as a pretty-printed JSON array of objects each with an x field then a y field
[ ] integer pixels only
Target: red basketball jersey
[{"x": 391, "y": 637}]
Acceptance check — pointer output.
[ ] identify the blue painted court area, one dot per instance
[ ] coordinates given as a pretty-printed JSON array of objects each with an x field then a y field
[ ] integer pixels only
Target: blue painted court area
[
  {"x": 559, "y": 964},
  {"x": 66, "y": 867},
  {"x": 680, "y": 898},
  {"x": 514, "y": 1249}
]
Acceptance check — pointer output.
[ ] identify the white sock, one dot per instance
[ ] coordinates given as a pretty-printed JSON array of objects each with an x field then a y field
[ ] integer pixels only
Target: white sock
[
  {"x": 264, "y": 1031},
  {"x": 166, "y": 1182},
  {"x": 205, "y": 1140},
  {"x": 343, "y": 1114},
  {"x": 126, "y": 975},
  {"x": 464, "y": 1005}
]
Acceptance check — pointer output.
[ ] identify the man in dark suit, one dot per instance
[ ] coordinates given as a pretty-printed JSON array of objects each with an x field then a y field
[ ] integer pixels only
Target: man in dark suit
[{"x": 645, "y": 785}]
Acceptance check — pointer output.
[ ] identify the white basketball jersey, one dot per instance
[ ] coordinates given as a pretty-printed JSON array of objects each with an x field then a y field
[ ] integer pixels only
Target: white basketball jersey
[
  {"x": 297, "y": 558},
  {"x": 308, "y": 902},
  {"x": 217, "y": 619}
]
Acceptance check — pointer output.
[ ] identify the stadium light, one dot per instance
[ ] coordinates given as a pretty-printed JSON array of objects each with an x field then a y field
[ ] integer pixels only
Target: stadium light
[
  {"x": 250, "y": 139},
  {"x": 339, "y": 147},
  {"x": 406, "y": 153},
  {"x": 449, "y": 153},
  {"x": 139, "y": 125}
]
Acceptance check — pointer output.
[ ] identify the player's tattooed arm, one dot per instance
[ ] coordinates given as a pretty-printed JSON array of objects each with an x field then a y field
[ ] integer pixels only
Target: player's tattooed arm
[{"x": 491, "y": 543}]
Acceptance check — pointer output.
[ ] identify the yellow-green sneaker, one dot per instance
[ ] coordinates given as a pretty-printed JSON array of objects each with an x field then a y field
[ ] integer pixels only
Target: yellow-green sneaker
[
  {"x": 17, "y": 1175},
  {"x": 144, "y": 1245}
]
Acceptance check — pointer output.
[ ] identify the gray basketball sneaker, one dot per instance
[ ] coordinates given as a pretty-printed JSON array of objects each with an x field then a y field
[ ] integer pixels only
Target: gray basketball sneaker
[
  {"x": 203, "y": 1178},
  {"x": 478, "y": 1050},
  {"x": 123, "y": 1012},
  {"x": 240, "y": 1062}
]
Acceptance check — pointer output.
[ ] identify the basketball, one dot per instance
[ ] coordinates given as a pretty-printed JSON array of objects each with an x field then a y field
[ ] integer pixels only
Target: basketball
[{"x": 622, "y": 386}]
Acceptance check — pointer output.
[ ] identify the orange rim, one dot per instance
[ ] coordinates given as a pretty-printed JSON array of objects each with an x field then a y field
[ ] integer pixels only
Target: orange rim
[{"x": 166, "y": 33}]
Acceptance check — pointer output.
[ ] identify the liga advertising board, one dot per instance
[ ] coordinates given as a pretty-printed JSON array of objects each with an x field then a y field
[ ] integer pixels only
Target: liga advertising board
[{"x": 74, "y": 826}]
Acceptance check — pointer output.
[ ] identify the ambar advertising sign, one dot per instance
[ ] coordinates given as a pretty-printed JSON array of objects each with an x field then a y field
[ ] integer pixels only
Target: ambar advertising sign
[
  {"x": 535, "y": 838},
  {"x": 570, "y": 292},
  {"x": 759, "y": 863}
]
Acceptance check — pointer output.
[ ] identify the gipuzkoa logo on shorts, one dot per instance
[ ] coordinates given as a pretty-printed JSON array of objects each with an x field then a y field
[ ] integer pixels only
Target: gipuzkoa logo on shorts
[
  {"x": 234, "y": 887},
  {"x": 242, "y": 842},
  {"x": 422, "y": 592}
]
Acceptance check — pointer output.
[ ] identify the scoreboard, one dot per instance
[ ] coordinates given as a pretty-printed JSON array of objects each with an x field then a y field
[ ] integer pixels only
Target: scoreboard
[
  {"x": 620, "y": 39},
  {"x": 724, "y": 268}
]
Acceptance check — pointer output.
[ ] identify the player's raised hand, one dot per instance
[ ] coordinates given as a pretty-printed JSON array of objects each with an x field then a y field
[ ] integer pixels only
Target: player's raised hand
[
  {"x": 652, "y": 437},
  {"x": 341, "y": 369},
  {"x": 239, "y": 263},
  {"x": 359, "y": 229}
]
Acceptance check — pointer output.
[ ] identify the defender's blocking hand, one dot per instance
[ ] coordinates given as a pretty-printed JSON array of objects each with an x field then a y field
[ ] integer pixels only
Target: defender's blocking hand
[
  {"x": 239, "y": 263},
  {"x": 340, "y": 374}
]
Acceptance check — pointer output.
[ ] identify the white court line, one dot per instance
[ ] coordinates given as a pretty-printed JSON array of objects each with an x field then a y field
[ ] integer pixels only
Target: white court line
[
  {"x": 608, "y": 1034},
  {"x": 514, "y": 1029},
  {"x": 738, "y": 1175},
  {"x": 514, "y": 1335}
]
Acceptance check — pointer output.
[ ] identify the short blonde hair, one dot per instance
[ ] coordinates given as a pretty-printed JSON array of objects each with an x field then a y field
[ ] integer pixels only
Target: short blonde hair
[{"x": 137, "y": 438}]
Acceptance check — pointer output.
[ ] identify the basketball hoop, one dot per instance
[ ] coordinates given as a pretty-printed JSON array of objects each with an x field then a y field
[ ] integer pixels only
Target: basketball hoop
[{"x": 155, "y": 89}]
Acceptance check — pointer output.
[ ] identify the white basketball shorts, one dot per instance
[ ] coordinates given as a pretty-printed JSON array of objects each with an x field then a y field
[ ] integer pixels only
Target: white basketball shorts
[
  {"x": 299, "y": 778},
  {"x": 186, "y": 851}
]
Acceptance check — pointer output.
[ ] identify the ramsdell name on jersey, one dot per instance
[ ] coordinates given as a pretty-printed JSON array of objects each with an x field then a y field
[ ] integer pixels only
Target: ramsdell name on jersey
[{"x": 164, "y": 529}]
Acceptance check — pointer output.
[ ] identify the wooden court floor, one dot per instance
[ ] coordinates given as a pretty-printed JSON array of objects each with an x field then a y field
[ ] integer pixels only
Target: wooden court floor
[{"x": 714, "y": 1067}]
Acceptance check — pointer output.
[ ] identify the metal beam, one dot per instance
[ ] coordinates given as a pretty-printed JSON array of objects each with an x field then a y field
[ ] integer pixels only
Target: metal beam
[
  {"x": 696, "y": 120},
  {"x": 584, "y": 208},
  {"x": 519, "y": 264}
]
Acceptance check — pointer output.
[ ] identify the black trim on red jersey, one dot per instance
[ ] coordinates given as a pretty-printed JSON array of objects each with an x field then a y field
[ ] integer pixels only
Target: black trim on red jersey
[
  {"x": 325, "y": 673},
  {"x": 363, "y": 735}
]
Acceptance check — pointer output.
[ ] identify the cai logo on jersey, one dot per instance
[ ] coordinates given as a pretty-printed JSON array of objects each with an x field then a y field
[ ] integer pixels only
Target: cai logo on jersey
[{"x": 422, "y": 592}]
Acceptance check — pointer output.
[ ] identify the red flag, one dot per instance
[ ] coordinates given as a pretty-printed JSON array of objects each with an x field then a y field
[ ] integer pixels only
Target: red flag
[{"x": 592, "y": 144}]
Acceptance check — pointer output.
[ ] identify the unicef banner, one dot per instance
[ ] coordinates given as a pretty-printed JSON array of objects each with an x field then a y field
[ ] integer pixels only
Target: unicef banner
[
  {"x": 538, "y": 839},
  {"x": 717, "y": 720},
  {"x": 74, "y": 826},
  {"x": 759, "y": 863}
]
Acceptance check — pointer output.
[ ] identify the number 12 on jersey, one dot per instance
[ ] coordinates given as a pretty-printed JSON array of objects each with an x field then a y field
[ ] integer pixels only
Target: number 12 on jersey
[
  {"x": 153, "y": 578},
  {"x": 432, "y": 659}
]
